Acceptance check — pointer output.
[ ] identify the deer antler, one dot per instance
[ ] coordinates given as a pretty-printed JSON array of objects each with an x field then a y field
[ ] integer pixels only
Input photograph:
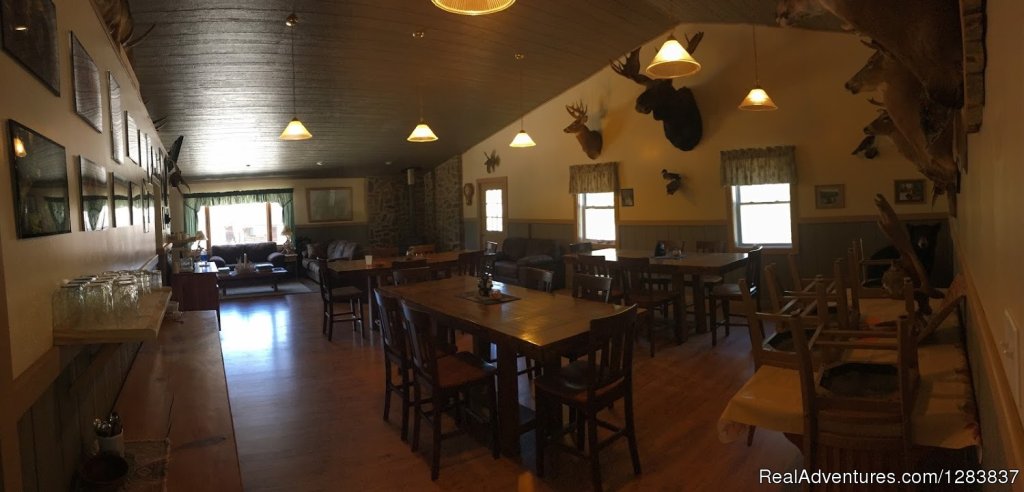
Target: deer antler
[
  {"x": 578, "y": 111},
  {"x": 630, "y": 68},
  {"x": 691, "y": 43}
]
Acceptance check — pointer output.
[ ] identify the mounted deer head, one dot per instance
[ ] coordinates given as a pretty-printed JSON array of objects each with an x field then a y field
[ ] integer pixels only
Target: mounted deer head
[
  {"x": 675, "y": 108},
  {"x": 492, "y": 161},
  {"x": 590, "y": 140}
]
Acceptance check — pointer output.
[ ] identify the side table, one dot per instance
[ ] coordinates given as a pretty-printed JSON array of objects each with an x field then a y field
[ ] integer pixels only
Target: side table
[{"x": 291, "y": 260}]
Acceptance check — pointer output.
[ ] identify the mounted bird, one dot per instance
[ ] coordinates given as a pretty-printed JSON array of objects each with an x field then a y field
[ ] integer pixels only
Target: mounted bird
[{"x": 675, "y": 181}]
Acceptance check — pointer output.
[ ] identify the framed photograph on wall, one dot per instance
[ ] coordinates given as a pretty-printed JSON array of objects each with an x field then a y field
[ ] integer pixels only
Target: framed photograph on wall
[
  {"x": 95, "y": 192},
  {"x": 909, "y": 190},
  {"x": 830, "y": 196},
  {"x": 29, "y": 35},
  {"x": 131, "y": 138},
  {"x": 85, "y": 79},
  {"x": 122, "y": 201},
  {"x": 329, "y": 204},
  {"x": 116, "y": 120},
  {"x": 627, "y": 197},
  {"x": 136, "y": 198},
  {"x": 39, "y": 183}
]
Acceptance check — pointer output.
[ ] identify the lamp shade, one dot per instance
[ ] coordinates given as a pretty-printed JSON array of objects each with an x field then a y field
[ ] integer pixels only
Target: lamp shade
[
  {"x": 200, "y": 236},
  {"x": 522, "y": 139},
  {"x": 758, "y": 100},
  {"x": 473, "y": 7},
  {"x": 672, "y": 61},
  {"x": 295, "y": 131},
  {"x": 422, "y": 133},
  {"x": 287, "y": 231}
]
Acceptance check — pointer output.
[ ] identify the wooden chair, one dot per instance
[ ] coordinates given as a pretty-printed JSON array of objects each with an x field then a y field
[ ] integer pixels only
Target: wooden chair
[
  {"x": 725, "y": 293},
  {"x": 383, "y": 251},
  {"x": 444, "y": 378},
  {"x": 710, "y": 247},
  {"x": 597, "y": 265},
  {"x": 490, "y": 247},
  {"x": 334, "y": 298},
  {"x": 589, "y": 385},
  {"x": 471, "y": 263},
  {"x": 581, "y": 247},
  {"x": 412, "y": 275},
  {"x": 419, "y": 249},
  {"x": 637, "y": 286},
  {"x": 536, "y": 278},
  {"x": 592, "y": 287},
  {"x": 866, "y": 286},
  {"x": 396, "y": 357}
]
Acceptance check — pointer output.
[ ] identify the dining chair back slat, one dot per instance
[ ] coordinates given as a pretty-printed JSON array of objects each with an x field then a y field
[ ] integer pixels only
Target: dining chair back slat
[
  {"x": 592, "y": 287},
  {"x": 536, "y": 278},
  {"x": 470, "y": 263}
]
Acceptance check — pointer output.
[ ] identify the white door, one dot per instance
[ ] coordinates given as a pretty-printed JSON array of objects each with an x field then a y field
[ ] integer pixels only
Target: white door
[{"x": 493, "y": 210}]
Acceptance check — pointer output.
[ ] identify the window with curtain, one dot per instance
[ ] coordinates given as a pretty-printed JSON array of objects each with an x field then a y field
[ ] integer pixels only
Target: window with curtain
[
  {"x": 240, "y": 216},
  {"x": 761, "y": 181},
  {"x": 594, "y": 187}
]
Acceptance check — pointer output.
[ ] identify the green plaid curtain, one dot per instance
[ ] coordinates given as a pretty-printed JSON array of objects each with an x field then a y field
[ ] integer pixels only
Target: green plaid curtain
[{"x": 195, "y": 201}]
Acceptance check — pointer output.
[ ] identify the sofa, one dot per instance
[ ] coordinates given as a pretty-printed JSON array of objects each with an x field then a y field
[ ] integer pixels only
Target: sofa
[
  {"x": 518, "y": 252},
  {"x": 338, "y": 249},
  {"x": 227, "y": 255}
]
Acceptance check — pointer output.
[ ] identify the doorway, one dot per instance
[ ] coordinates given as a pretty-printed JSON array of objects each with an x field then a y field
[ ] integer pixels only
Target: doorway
[{"x": 493, "y": 210}]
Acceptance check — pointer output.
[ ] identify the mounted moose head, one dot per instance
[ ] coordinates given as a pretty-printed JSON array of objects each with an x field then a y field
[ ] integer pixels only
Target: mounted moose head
[
  {"x": 590, "y": 140},
  {"x": 676, "y": 108}
]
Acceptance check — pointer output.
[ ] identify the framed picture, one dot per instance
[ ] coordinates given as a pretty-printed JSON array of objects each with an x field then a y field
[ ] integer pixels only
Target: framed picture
[
  {"x": 830, "y": 196},
  {"x": 627, "y": 197},
  {"x": 29, "y": 35},
  {"x": 122, "y": 201},
  {"x": 329, "y": 204},
  {"x": 136, "y": 200},
  {"x": 909, "y": 190},
  {"x": 145, "y": 152},
  {"x": 95, "y": 195},
  {"x": 116, "y": 120},
  {"x": 85, "y": 78},
  {"x": 131, "y": 138},
  {"x": 39, "y": 184},
  {"x": 147, "y": 207}
]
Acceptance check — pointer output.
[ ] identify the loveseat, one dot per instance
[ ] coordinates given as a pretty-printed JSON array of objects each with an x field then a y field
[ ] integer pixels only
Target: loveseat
[
  {"x": 227, "y": 255},
  {"x": 517, "y": 252},
  {"x": 339, "y": 249}
]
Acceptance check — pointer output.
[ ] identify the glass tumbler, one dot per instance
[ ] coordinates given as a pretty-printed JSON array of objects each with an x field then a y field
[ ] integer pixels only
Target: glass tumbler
[
  {"x": 126, "y": 299},
  {"x": 67, "y": 306},
  {"x": 97, "y": 304}
]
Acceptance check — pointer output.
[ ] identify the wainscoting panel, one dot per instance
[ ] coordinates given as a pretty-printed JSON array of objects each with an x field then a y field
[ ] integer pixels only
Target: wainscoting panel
[
  {"x": 645, "y": 237},
  {"x": 359, "y": 233},
  {"x": 471, "y": 234},
  {"x": 563, "y": 233}
]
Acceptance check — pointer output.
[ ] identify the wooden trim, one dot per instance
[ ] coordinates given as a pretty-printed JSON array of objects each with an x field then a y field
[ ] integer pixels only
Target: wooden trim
[
  {"x": 542, "y": 221},
  {"x": 794, "y": 207},
  {"x": 870, "y": 218},
  {"x": 32, "y": 383},
  {"x": 1008, "y": 423},
  {"x": 692, "y": 222}
]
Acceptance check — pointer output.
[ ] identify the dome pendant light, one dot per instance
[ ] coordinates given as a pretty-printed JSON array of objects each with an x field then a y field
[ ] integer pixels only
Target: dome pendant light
[
  {"x": 522, "y": 139},
  {"x": 473, "y": 7},
  {"x": 757, "y": 99},
  {"x": 422, "y": 132},
  {"x": 672, "y": 61},
  {"x": 295, "y": 129}
]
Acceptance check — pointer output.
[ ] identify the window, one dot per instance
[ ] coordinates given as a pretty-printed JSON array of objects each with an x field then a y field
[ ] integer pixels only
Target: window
[
  {"x": 242, "y": 223},
  {"x": 762, "y": 215},
  {"x": 494, "y": 210},
  {"x": 595, "y": 217}
]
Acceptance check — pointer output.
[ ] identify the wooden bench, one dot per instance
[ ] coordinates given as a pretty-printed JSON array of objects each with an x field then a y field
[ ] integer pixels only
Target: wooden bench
[{"x": 176, "y": 389}]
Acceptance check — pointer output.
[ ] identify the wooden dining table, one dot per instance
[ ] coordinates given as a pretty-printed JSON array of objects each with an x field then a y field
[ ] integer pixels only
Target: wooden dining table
[
  {"x": 537, "y": 324},
  {"x": 686, "y": 269},
  {"x": 372, "y": 272}
]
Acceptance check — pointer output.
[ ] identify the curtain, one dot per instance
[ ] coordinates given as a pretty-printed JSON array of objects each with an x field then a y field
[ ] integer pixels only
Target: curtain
[
  {"x": 594, "y": 178},
  {"x": 769, "y": 165},
  {"x": 195, "y": 201}
]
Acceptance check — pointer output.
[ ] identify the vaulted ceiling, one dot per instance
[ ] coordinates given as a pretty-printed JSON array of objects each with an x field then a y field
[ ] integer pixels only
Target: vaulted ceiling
[{"x": 219, "y": 73}]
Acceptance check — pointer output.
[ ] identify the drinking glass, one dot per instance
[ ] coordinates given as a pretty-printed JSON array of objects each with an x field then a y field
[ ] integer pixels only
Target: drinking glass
[
  {"x": 125, "y": 299},
  {"x": 97, "y": 304},
  {"x": 369, "y": 260}
]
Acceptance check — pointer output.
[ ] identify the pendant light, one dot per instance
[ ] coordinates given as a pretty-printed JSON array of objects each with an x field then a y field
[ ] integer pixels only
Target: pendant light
[
  {"x": 757, "y": 99},
  {"x": 672, "y": 61},
  {"x": 522, "y": 139},
  {"x": 473, "y": 7},
  {"x": 422, "y": 132},
  {"x": 295, "y": 129}
]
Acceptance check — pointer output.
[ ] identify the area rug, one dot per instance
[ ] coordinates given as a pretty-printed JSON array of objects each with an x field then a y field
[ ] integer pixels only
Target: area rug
[
  {"x": 284, "y": 287},
  {"x": 148, "y": 465}
]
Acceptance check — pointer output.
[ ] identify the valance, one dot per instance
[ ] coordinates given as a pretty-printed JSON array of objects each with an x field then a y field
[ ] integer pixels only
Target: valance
[
  {"x": 594, "y": 178},
  {"x": 195, "y": 201},
  {"x": 769, "y": 165}
]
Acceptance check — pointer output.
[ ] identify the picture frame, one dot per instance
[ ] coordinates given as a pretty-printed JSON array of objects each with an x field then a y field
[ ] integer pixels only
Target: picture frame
[
  {"x": 94, "y": 197},
  {"x": 830, "y": 196},
  {"x": 85, "y": 80},
  {"x": 147, "y": 207},
  {"x": 116, "y": 120},
  {"x": 908, "y": 191},
  {"x": 28, "y": 32},
  {"x": 329, "y": 204},
  {"x": 122, "y": 201},
  {"x": 135, "y": 195},
  {"x": 131, "y": 138},
  {"x": 39, "y": 172},
  {"x": 626, "y": 197}
]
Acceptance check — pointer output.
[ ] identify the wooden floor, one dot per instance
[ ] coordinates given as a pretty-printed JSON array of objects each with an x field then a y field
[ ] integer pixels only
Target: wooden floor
[{"x": 307, "y": 416}]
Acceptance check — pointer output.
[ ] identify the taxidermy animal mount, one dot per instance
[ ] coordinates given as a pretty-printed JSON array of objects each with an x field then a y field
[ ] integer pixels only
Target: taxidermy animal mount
[
  {"x": 867, "y": 146},
  {"x": 675, "y": 108},
  {"x": 590, "y": 140},
  {"x": 172, "y": 171},
  {"x": 675, "y": 181},
  {"x": 492, "y": 161}
]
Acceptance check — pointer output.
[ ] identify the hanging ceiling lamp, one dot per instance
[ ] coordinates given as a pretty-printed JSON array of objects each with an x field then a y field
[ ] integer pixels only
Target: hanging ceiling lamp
[
  {"x": 757, "y": 99},
  {"x": 295, "y": 129},
  {"x": 422, "y": 132},
  {"x": 473, "y": 7},
  {"x": 522, "y": 139},
  {"x": 672, "y": 61}
]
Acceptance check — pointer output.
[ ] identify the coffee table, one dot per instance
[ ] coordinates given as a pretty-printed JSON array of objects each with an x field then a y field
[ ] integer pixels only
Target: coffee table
[{"x": 271, "y": 276}]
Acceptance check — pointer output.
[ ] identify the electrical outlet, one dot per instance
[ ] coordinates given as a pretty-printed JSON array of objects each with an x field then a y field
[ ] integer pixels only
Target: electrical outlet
[{"x": 1010, "y": 351}]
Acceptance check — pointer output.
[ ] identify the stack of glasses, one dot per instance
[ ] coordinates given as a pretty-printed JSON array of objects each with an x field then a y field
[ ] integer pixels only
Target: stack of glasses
[{"x": 108, "y": 300}]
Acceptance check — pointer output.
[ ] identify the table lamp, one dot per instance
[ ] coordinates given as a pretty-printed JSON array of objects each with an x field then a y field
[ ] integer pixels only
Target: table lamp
[
  {"x": 200, "y": 237},
  {"x": 287, "y": 246}
]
